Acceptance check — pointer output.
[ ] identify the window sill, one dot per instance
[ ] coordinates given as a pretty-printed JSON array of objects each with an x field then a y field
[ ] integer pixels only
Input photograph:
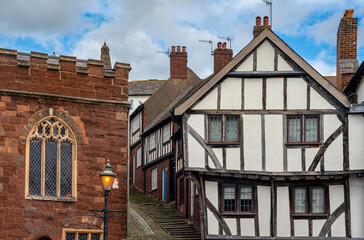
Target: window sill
[
  {"x": 222, "y": 143},
  {"x": 310, "y": 215},
  {"x": 56, "y": 199},
  {"x": 180, "y": 203},
  {"x": 152, "y": 190},
  {"x": 240, "y": 215},
  {"x": 313, "y": 144}
]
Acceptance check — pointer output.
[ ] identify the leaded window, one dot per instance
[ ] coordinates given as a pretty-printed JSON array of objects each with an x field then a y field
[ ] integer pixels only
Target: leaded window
[
  {"x": 309, "y": 200},
  {"x": 223, "y": 128},
  {"x": 81, "y": 234},
  {"x": 152, "y": 142},
  {"x": 232, "y": 128},
  {"x": 166, "y": 133},
  {"x": 237, "y": 199},
  {"x": 229, "y": 199},
  {"x": 50, "y": 159},
  {"x": 215, "y": 126},
  {"x": 303, "y": 128}
]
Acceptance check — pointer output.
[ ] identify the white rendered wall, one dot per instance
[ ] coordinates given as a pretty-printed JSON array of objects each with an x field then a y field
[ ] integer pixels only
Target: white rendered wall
[
  {"x": 283, "y": 212},
  {"x": 274, "y": 143},
  {"x": 274, "y": 93},
  {"x": 231, "y": 222},
  {"x": 294, "y": 160},
  {"x": 283, "y": 65},
  {"x": 212, "y": 195},
  {"x": 334, "y": 153},
  {"x": 231, "y": 93},
  {"x": 208, "y": 102},
  {"x": 357, "y": 206},
  {"x": 356, "y": 140},
  {"x": 136, "y": 101},
  {"x": 253, "y": 93},
  {"x": 233, "y": 158},
  {"x": 212, "y": 223},
  {"x": 218, "y": 153},
  {"x": 247, "y": 65},
  {"x": 264, "y": 208},
  {"x": 265, "y": 57},
  {"x": 196, "y": 154},
  {"x": 310, "y": 155},
  {"x": 317, "y": 226},
  {"x": 247, "y": 227},
  {"x": 296, "y": 93},
  {"x": 360, "y": 91},
  {"x": 252, "y": 142},
  {"x": 336, "y": 193},
  {"x": 318, "y": 102},
  {"x": 197, "y": 122},
  {"x": 301, "y": 227}
]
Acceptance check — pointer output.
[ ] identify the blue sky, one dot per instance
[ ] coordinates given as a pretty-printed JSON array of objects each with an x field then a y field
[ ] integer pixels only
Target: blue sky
[{"x": 136, "y": 30}]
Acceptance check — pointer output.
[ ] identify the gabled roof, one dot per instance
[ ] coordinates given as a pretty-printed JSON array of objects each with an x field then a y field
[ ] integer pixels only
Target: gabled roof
[
  {"x": 144, "y": 87},
  {"x": 266, "y": 34},
  {"x": 353, "y": 84}
]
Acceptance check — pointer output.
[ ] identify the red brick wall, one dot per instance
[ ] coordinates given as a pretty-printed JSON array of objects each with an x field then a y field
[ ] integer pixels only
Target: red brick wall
[
  {"x": 181, "y": 203},
  {"x": 148, "y": 179},
  {"x": 101, "y": 130},
  {"x": 221, "y": 58},
  {"x": 139, "y": 174}
]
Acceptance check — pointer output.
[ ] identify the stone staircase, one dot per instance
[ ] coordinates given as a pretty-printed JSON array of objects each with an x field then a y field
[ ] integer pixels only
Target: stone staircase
[{"x": 169, "y": 219}]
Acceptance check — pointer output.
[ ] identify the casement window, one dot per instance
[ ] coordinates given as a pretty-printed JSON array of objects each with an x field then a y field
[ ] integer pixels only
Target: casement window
[
  {"x": 303, "y": 129},
  {"x": 309, "y": 200},
  {"x": 139, "y": 157},
  {"x": 237, "y": 199},
  {"x": 154, "y": 178},
  {"x": 166, "y": 130},
  {"x": 152, "y": 142},
  {"x": 82, "y": 234},
  {"x": 51, "y": 161},
  {"x": 223, "y": 128},
  {"x": 135, "y": 125},
  {"x": 181, "y": 190}
]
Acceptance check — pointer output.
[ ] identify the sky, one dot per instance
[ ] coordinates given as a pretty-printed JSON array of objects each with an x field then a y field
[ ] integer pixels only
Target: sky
[{"x": 137, "y": 30}]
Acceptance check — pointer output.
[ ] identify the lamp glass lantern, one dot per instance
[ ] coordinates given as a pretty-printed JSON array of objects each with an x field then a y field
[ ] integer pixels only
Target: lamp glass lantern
[{"x": 107, "y": 177}]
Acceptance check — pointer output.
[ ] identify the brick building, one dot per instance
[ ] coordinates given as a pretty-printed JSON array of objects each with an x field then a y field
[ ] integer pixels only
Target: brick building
[{"x": 61, "y": 118}]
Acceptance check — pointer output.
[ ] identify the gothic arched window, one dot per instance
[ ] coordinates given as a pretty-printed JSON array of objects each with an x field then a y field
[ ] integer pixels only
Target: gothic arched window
[{"x": 51, "y": 161}]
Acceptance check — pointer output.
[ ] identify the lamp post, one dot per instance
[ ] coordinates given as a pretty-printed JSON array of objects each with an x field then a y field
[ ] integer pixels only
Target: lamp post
[{"x": 107, "y": 180}]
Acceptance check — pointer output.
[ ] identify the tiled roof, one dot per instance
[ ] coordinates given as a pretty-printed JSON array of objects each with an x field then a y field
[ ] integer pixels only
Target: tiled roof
[
  {"x": 144, "y": 87},
  {"x": 331, "y": 79}
]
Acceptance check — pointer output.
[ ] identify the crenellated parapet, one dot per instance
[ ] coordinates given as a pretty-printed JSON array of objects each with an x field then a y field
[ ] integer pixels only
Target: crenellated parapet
[{"x": 63, "y": 75}]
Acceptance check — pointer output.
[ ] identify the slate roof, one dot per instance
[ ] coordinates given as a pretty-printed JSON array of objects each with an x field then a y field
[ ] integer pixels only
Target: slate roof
[
  {"x": 331, "y": 79},
  {"x": 353, "y": 84},
  {"x": 145, "y": 87}
]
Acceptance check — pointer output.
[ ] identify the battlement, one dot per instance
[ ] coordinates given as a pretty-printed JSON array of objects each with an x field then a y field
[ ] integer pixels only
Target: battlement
[{"x": 63, "y": 75}]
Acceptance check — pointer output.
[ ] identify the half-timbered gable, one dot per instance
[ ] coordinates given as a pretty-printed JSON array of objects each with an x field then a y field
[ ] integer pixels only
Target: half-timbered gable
[{"x": 266, "y": 144}]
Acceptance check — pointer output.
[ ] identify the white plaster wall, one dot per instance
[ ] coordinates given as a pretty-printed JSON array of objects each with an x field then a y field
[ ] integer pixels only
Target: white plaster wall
[
  {"x": 265, "y": 57},
  {"x": 336, "y": 193},
  {"x": 197, "y": 122},
  {"x": 264, "y": 210},
  {"x": 360, "y": 91},
  {"x": 274, "y": 142},
  {"x": 357, "y": 206},
  {"x": 296, "y": 93},
  {"x": 233, "y": 158},
  {"x": 213, "y": 225},
  {"x": 310, "y": 155},
  {"x": 247, "y": 227},
  {"x": 274, "y": 93},
  {"x": 231, "y": 222},
  {"x": 218, "y": 153},
  {"x": 208, "y": 102},
  {"x": 356, "y": 140},
  {"x": 301, "y": 227},
  {"x": 283, "y": 212},
  {"x": 196, "y": 153},
  {"x": 231, "y": 93},
  {"x": 136, "y": 102},
  {"x": 247, "y": 65},
  {"x": 334, "y": 153},
  {"x": 252, "y": 142},
  {"x": 212, "y": 193},
  {"x": 283, "y": 65},
  {"x": 318, "y": 102},
  {"x": 317, "y": 226},
  {"x": 253, "y": 93},
  {"x": 294, "y": 160}
]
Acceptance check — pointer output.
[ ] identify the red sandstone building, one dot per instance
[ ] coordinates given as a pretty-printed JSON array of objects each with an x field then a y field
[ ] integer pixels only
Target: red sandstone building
[{"x": 61, "y": 118}]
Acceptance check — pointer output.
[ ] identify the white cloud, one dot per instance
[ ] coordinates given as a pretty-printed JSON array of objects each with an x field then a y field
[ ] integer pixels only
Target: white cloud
[{"x": 321, "y": 64}]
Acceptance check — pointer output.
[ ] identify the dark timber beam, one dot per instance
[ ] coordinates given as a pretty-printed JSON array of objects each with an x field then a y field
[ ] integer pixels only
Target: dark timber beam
[{"x": 267, "y": 74}]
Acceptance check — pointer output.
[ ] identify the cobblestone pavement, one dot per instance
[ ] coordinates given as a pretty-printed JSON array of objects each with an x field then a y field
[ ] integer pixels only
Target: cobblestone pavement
[{"x": 144, "y": 227}]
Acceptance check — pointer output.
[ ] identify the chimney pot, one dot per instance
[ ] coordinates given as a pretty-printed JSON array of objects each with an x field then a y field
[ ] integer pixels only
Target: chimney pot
[
  {"x": 173, "y": 48},
  {"x": 219, "y": 45},
  {"x": 224, "y": 45},
  {"x": 266, "y": 21},
  {"x": 184, "y": 49},
  {"x": 348, "y": 13},
  {"x": 258, "y": 21},
  {"x": 178, "y": 48},
  {"x": 178, "y": 62}
]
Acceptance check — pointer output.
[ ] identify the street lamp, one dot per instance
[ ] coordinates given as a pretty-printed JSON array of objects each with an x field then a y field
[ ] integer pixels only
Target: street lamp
[{"x": 107, "y": 180}]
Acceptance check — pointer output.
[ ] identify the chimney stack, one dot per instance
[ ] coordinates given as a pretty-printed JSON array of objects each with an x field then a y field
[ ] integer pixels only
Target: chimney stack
[
  {"x": 346, "y": 49},
  {"x": 258, "y": 28},
  {"x": 105, "y": 55},
  {"x": 222, "y": 56},
  {"x": 178, "y": 62}
]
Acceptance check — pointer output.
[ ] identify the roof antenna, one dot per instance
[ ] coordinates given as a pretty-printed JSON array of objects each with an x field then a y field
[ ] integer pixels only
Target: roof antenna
[
  {"x": 212, "y": 51},
  {"x": 227, "y": 38},
  {"x": 167, "y": 52},
  {"x": 267, "y": 2}
]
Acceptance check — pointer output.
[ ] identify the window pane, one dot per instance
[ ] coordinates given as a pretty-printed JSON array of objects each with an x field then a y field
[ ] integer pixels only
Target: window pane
[
  {"x": 232, "y": 124},
  {"x": 229, "y": 199},
  {"x": 154, "y": 179},
  {"x": 66, "y": 169},
  {"x": 50, "y": 168},
  {"x": 311, "y": 129},
  {"x": 246, "y": 199},
  {"x": 318, "y": 200},
  {"x": 152, "y": 141},
  {"x": 95, "y": 236},
  {"x": 139, "y": 157},
  {"x": 300, "y": 200},
  {"x": 166, "y": 133},
  {"x": 215, "y": 128},
  {"x": 82, "y": 236},
  {"x": 70, "y": 236},
  {"x": 294, "y": 129},
  {"x": 35, "y": 167}
]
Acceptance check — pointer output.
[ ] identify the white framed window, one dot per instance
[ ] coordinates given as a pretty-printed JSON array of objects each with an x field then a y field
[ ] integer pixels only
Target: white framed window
[
  {"x": 166, "y": 132},
  {"x": 154, "y": 178},
  {"x": 139, "y": 157},
  {"x": 152, "y": 142}
]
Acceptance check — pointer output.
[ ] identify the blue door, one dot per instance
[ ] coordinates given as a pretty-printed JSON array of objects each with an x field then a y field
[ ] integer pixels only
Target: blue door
[{"x": 164, "y": 179}]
